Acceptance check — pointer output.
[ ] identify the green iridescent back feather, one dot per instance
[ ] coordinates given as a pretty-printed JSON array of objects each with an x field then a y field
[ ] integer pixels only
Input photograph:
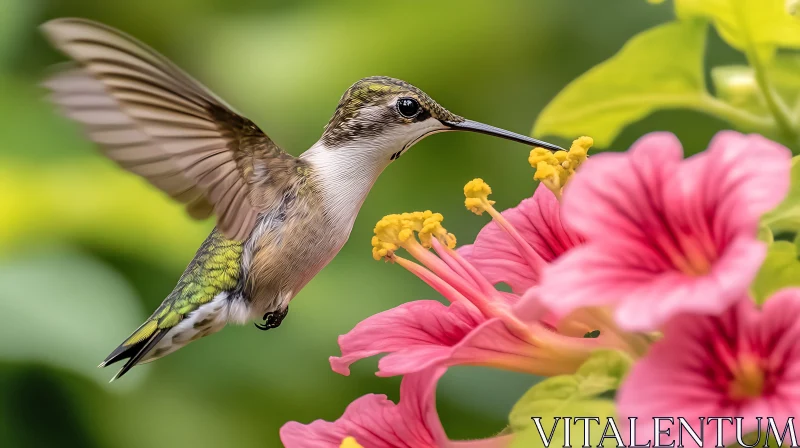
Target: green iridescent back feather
[{"x": 215, "y": 268}]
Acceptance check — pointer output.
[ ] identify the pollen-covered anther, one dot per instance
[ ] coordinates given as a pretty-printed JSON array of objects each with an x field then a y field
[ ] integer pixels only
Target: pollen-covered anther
[
  {"x": 580, "y": 149},
  {"x": 555, "y": 169},
  {"x": 382, "y": 250},
  {"x": 432, "y": 228},
  {"x": 395, "y": 231},
  {"x": 546, "y": 171},
  {"x": 477, "y": 194}
]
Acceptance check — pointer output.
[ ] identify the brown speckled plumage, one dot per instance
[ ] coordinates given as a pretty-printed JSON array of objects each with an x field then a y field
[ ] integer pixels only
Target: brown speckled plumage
[{"x": 376, "y": 91}]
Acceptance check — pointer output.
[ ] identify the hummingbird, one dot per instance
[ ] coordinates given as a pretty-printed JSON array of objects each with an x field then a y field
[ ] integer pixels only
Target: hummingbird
[{"x": 279, "y": 218}]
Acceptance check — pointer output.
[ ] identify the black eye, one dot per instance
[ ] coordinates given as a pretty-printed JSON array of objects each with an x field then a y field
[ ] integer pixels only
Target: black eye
[{"x": 408, "y": 107}]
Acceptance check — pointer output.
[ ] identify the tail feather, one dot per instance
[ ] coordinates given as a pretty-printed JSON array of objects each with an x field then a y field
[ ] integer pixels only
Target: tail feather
[
  {"x": 133, "y": 353},
  {"x": 135, "y": 347},
  {"x": 139, "y": 347},
  {"x": 124, "y": 351},
  {"x": 133, "y": 343}
]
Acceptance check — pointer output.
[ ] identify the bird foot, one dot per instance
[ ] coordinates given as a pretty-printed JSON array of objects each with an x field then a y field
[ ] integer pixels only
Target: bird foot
[{"x": 273, "y": 319}]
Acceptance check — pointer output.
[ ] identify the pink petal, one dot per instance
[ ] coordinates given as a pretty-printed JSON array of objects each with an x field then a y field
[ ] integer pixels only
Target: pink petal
[
  {"x": 666, "y": 236},
  {"x": 736, "y": 180},
  {"x": 320, "y": 433},
  {"x": 777, "y": 336},
  {"x": 754, "y": 175},
  {"x": 492, "y": 344},
  {"x": 417, "y": 334},
  {"x": 530, "y": 308},
  {"x": 423, "y": 334},
  {"x": 538, "y": 220},
  {"x": 610, "y": 196},
  {"x": 669, "y": 381},
  {"x": 680, "y": 376},
  {"x": 599, "y": 274},
  {"x": 376, "y": 422}
]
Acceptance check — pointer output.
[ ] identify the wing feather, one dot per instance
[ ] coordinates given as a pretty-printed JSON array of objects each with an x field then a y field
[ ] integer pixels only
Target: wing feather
[{"x": 156, "y": 121}]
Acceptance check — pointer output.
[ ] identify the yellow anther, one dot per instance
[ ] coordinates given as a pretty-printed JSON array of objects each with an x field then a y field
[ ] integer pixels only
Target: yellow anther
[
  {"x": 393, "y": 231},
  {"x": 539, "y": 155},
  {"x": 561, "y": 156},
  {"x": 474, "y": 205},
  {"x": 580, "y": 148},
  {"x": 477, "y": 194},
  {"x": 477, "y": 188},
  {"x": 545, "y": 171},
  {"x": 432, "y": 228},
  {"x": 350, "y": 442},
  {"x": 381, "y": 249},
  {"x": 555, "y": 169}
]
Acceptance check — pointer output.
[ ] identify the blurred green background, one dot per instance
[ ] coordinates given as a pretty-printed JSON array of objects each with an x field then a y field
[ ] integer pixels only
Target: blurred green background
[{"x": 88, "y": 251}]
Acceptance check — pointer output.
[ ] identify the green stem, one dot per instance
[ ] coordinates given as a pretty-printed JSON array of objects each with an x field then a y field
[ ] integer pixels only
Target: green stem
[
  {"x": 741, "y": 118},
  {"x": 775, "y": 104}
]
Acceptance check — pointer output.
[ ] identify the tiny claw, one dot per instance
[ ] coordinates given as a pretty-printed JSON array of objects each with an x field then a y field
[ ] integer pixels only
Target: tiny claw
[{"x": 273, "y": 319}]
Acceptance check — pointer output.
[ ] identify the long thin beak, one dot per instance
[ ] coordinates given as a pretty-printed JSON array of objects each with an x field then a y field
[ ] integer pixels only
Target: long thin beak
[{"x": 474, "y": 126}]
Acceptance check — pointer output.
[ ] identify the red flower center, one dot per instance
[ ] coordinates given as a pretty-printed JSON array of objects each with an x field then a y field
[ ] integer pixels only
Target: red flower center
[
  {"x": 690, "y": 256},
  {"x": 741, "y": 374},
  {"x": 749, "y": 379}
]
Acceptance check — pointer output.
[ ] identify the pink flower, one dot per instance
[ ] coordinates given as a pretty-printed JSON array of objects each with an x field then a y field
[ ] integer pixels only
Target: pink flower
[
  {"x": 743, "y": 363},
  {"x": 375, "y": 422},
  {"x": 502, "y": 258},
  {"x": 482, "y": 326},
  {"x": 666, "y": 235},
  {"x": 477, "y": 328}
]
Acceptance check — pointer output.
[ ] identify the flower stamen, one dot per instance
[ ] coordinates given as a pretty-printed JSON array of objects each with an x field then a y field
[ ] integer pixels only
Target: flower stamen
[
  {"x": 555, "y": 169},
  {"x": 399, "y": 230},
  {"x": 477, "y": 201},
  {"x": 431, "y": 279},
  {"x": 477, "y": 194},
  {"x": 394, "y": 231}
]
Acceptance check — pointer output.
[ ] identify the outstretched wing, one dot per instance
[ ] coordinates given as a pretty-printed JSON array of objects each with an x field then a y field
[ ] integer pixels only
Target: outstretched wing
[{"x": 156, "y": 121}]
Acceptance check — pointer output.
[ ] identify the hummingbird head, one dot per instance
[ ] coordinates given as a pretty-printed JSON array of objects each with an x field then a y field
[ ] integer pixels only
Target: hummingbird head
[{"x": 383, "y": 117}]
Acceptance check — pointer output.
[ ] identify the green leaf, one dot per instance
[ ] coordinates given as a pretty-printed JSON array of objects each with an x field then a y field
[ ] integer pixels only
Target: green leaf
[
  {"x": 759, "y": 439},
  {"x": 560, "y": 395},
  {"x": 781, "y": 268},
  {"x": 65, "y": 310},
  {"x": 610, "y": 365},
  {"x": 786, "y": 216},
  {"x": 766, "y": 23},
  {"x": 578, "y": 395},
  {"x": 659, "y": 68},
  {"x": 530, "y": 437}
]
